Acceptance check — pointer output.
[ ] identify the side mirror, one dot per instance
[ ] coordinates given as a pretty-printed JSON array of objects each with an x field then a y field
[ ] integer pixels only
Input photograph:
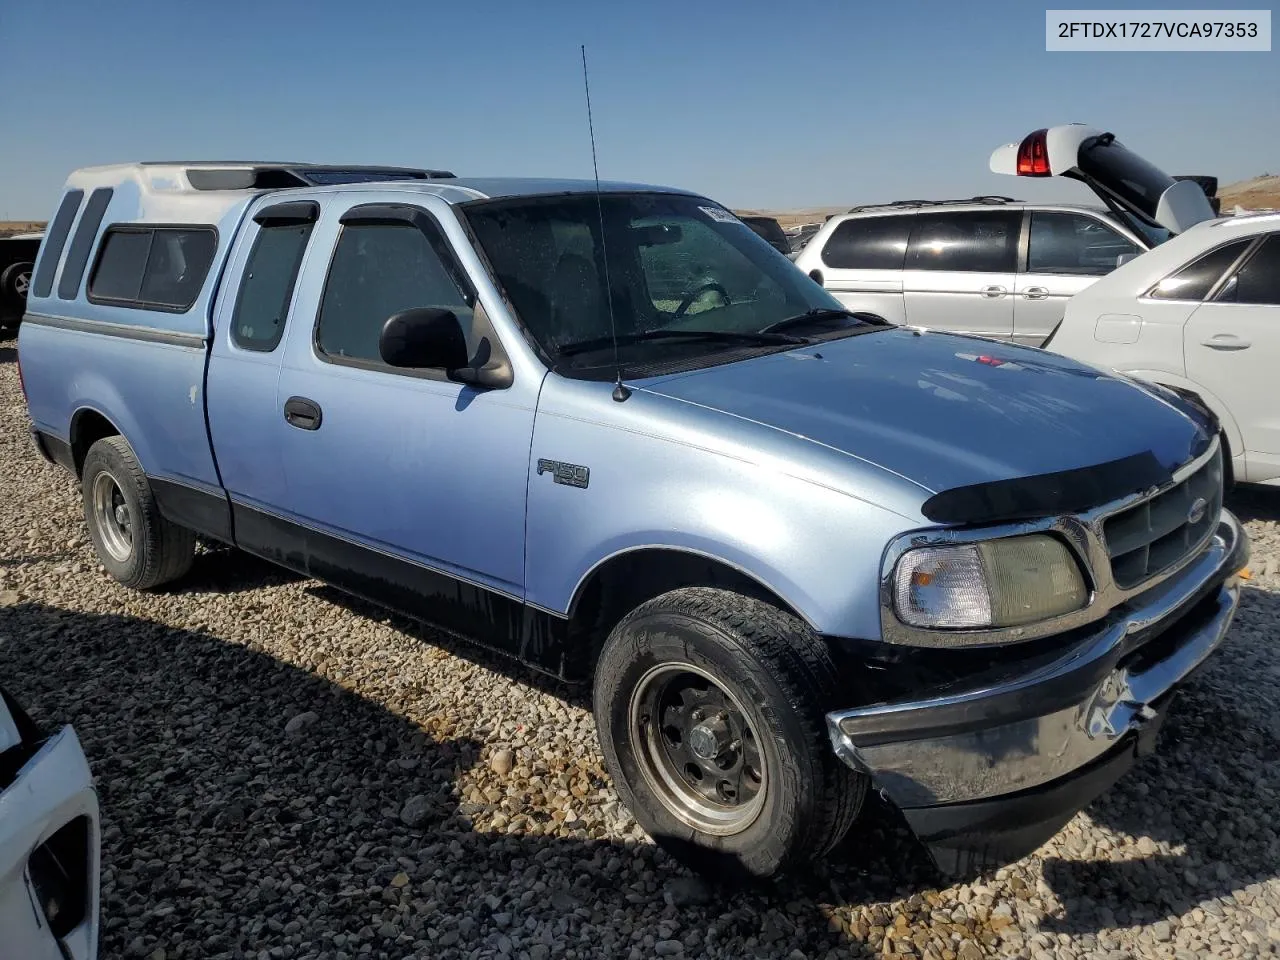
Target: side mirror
[{"x": 424, "y": 338}]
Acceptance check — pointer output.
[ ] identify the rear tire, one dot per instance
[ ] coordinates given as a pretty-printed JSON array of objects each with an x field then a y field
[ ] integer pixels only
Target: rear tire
[
  {"x": 696, "y": 671},
  {"x": 15, "y": 282},
  {"x": 136, "y": 544}
]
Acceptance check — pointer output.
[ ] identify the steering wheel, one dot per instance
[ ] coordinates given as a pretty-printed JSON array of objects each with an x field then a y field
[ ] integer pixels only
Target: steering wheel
[{"x": 687, "y": 302}]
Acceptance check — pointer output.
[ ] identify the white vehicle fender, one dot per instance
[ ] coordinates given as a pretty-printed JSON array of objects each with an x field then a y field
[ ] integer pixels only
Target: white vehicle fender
[{"x": 1229, "y": 427}]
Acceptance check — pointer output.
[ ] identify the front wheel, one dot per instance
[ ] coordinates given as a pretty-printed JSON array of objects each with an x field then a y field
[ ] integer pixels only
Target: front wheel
[
  {"x": 709, "y": 706},
  {"x": 133, "y": 540}
]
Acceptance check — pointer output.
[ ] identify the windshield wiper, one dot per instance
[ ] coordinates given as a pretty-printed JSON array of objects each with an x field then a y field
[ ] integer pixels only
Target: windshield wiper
[
  {"x": 763, "y": 338},
  {"x": 818, "y": 314}
]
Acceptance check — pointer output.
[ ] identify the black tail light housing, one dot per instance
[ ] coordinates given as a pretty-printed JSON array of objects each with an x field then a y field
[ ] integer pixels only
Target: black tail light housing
[{"x": 59, "y": 871}]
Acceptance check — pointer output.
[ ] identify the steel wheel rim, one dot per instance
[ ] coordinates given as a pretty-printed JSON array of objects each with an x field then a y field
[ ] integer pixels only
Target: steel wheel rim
[
  {"x": 112, "y": 517},
  {"x": 730, "y": 793},
  {"x": 23, "y": 283}
]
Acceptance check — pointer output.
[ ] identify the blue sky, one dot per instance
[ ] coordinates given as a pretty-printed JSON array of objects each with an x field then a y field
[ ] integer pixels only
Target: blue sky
[{"x": 755, "y": 103}]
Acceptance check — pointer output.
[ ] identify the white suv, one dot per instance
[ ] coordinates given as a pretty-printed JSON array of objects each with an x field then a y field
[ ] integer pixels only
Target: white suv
[
  {"x": 991, "y": 266},
  {"x": 1200, "y": 315}
]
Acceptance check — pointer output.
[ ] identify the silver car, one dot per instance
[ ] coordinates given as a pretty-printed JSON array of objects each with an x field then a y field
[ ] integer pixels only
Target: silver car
[{"x": 989, "y": 265}]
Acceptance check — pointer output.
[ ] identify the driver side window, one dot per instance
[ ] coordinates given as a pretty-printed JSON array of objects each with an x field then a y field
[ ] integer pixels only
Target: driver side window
[
  {"x": 379, "y": 269},
  {"x": 681, "y": 273}
]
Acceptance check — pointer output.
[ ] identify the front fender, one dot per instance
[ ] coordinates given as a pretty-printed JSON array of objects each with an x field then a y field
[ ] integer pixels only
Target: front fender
[
  {"x": 816, "y": 547},
  {"x": 1229, "y": 426}
]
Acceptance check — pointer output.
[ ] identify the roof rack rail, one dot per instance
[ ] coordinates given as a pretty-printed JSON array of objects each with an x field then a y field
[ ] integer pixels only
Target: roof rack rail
[
  {"x": 983, "y": 198},
  {"x": 263, "y": 175}
]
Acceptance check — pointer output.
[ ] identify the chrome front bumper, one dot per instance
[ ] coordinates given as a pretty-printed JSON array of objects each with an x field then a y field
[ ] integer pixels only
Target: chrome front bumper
[{"x": 1012, "y": 734}]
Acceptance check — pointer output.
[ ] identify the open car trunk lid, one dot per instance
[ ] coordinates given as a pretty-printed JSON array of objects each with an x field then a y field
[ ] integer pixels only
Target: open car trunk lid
[{"x": 1126, "y": 182}]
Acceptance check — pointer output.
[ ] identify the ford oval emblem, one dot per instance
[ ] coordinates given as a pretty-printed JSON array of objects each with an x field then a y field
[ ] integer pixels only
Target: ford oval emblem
[{"x": 1196, "y": 513}]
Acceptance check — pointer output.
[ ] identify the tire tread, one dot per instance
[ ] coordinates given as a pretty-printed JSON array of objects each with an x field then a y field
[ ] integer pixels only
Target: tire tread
[
  {"x": 168, "y": 549},
  {"x": 800, "y": 663}
]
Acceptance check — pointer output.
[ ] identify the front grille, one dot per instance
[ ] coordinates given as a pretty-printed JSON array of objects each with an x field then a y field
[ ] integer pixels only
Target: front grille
[{"x": 1157, "y": 534}]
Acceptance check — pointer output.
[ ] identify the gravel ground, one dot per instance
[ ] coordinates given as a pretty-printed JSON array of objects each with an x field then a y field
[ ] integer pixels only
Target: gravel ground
[{"x": 287, "y": 773}]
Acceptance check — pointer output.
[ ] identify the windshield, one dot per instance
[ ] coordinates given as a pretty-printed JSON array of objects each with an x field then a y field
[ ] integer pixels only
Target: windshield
[{"x": 675, "y": 263}]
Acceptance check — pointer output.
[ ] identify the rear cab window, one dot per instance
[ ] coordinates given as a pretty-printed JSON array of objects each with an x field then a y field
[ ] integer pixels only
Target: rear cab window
[
  {"x": 82, "y": 243},
  {"x": 868, "y": 243},
  {"x": 968, "y": 241},
  {"x": 270, "y": 274},
  {"x": 54, "y": 241},
  {"x": 152, "y": 268}
]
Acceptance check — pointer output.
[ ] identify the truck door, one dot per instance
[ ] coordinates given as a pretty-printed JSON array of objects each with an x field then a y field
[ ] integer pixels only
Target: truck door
[
  {"x": 400, "y": 485},
  {"x": 245, "y": 364}
]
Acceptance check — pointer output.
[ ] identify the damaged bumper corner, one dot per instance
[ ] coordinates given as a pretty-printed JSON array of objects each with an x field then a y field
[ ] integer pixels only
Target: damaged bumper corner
[
  {"x": 987, "y": 775},
  {"x": 49, "y": 855}
]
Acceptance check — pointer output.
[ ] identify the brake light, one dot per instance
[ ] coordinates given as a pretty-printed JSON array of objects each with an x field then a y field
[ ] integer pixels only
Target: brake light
[{"x": 1033, "y": 155}]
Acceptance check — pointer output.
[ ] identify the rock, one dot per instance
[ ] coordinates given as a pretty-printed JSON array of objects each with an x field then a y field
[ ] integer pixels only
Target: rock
[
  {"x": 969, "y": 951},
  {"x": 1162, "y": 931},
  {"x": 400, "y": 880},
  {"x": 9, "y": 598},
  {"x": 685, "y": 891},
  {"x": 301, "y": 722},
  {"x": 501, "y": 762},
  {"x": 668, "y": 948},
  {"x": 416, "y": 811}
]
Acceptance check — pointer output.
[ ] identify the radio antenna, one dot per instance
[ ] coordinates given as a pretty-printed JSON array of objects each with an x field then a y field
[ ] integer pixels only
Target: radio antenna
[{"x": 620, "y": 390}]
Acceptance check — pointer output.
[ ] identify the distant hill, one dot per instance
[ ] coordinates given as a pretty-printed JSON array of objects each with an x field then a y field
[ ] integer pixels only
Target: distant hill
[
  {"x": 1260, "y": 192},
  {"x": 794, "y": 218},
  {"x": 9, "y": 227}
]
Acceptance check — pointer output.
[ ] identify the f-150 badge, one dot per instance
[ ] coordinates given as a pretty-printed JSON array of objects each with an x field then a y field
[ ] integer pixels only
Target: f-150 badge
[{"x": 571, "y": 474}]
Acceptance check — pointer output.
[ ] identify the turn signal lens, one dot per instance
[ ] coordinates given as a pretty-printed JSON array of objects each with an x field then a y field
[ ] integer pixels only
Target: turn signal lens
[{"x": 996, "y": 583}]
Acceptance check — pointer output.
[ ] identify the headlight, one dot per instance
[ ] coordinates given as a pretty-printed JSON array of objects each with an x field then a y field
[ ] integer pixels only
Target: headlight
[{"x": 995, "y": 583}]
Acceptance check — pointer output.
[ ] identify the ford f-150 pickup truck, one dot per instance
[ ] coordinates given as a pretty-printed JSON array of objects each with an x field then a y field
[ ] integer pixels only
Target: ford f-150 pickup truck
[{"x": 608, "y": 430}]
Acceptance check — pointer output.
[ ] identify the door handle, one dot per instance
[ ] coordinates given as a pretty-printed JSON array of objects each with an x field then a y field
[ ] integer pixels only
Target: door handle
[
  {"x": 994, "y": 291},
  {"x": 1036, "y": 293},
  {"x": 1226, "y": 341},
  {"x": 302, "y": 413}
]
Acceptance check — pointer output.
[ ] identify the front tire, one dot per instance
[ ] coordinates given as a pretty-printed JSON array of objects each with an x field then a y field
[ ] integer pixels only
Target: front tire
[
  {"x": 709, "y": 706},
  {"x": 133, "y": 540}
]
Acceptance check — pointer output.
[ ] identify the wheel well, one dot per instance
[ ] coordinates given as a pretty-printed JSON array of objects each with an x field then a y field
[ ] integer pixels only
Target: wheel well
[
  {"x": 623, "y": 582},
  {"x": 1228, "y": 468},
  {"x": 87, "y": 428}
]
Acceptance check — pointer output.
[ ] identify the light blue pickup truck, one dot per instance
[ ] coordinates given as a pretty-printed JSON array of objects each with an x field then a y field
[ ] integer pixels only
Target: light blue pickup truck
[{"x": 608, "y": 430}]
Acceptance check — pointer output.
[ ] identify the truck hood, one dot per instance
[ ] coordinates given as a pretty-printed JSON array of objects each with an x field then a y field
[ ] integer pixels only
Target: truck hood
[{"x": 947, "y": 411}]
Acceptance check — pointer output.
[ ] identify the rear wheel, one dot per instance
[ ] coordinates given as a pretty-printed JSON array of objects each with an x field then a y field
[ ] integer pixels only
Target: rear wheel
[
  {"x": 710, "y": 706},
  {"x": 135, "y": 543},
  {"x": 15, "y": 283}
]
